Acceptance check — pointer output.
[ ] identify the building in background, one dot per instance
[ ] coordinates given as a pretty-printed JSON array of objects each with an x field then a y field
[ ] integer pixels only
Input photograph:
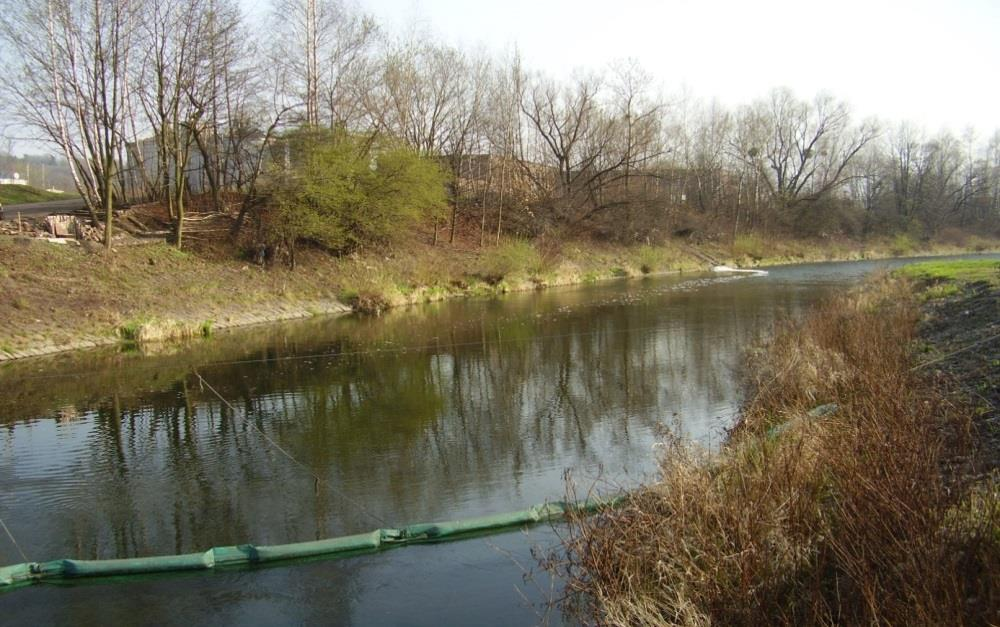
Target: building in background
[{"x": 14, "y": 179}]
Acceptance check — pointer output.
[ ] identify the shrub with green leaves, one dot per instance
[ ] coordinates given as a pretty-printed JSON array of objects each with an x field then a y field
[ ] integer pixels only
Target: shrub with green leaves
[
  {"x": 345, "y": 191},
  {"x": 903, "y": 244},
  {"x": 512, "y": 256}
]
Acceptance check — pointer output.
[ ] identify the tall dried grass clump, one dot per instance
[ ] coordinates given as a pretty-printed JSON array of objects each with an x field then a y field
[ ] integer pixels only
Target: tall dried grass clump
[{"x": 862, "y": 516}]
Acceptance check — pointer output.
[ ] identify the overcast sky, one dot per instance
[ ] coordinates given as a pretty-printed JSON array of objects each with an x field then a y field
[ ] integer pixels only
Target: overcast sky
[{"x": 933, "y": 63}]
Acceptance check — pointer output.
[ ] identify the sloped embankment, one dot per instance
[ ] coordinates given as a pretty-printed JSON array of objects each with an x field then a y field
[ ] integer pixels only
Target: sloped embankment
[
  {"x": 869, "y": 511},
  {"x": 960, "y": 337}
]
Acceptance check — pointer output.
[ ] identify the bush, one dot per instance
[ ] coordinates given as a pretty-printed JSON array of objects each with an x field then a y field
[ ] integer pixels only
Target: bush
[
  {"x": 345, "y": 191},
  {"x": 495, "y": 264},
  {"x": 749, "y": 245},
  {"x": 830, "y": 217},
  {"x": 903, "y": 244},
  {"x": 979, "y": 244},
  {"x": 952, "y": 236},
  {"x": 369, "y": 303},
  {"x": 658, "y": 258},
  {"x": 650, "y": 259}
]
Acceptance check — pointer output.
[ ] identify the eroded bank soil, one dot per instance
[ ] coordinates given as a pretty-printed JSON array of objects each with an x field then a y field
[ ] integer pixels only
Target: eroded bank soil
[{"x": 961, "y": 337}]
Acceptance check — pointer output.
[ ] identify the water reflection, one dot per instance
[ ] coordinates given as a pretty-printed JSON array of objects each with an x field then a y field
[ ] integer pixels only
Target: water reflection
[
  {"x": 442, "y": 412},
  {"x": 439, "y": 412}
]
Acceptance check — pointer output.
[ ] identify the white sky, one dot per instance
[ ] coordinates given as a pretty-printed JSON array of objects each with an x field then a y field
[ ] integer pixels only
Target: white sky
[{"x": 935, "y": 63}]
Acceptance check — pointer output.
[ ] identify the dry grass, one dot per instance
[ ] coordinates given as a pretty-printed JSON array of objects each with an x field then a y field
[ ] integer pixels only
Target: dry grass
[
  {"x": 863, "y": 516},
  {"x": 52, "y": 295}
]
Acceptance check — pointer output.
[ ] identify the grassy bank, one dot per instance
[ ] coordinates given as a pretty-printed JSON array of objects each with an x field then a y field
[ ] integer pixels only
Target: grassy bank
[
  {"x": 54, "y": 295},
  {"x": 754, "y": 250},
  {"x": 65, "y": 296},
  {"x": 18, "y": 194},
  {"x": 946, "y": 279},
  {"x": 850, "y": 492}
]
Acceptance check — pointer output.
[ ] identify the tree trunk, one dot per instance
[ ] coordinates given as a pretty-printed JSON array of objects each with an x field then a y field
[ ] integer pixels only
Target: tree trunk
[
  {"x": 180, "y": 218},
  {"x": 503, "y": 171},
  {"x": 108, "y": 203}
]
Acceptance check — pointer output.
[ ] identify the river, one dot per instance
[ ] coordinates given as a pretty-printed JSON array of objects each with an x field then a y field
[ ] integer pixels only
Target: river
[{"x": 436, "y": 412}]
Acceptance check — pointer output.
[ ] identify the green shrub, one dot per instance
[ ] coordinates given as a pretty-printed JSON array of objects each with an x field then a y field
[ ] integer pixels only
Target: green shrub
[
  {"x": 132, "y": 329},
  {"x": 344, "y": 191},
  {"x": 510, "y": 257},
  {"x": 903, "y": 244},
  {"x": 650, "y": 259}
]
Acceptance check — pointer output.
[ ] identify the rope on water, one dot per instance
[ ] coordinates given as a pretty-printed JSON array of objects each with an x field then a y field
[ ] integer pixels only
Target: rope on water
[
  {"x": 288, "y": 455},
  {"x": 11, "y": 536}
]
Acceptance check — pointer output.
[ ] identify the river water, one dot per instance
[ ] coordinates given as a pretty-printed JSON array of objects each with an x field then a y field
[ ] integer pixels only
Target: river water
[{"x": 437, "y": 412}]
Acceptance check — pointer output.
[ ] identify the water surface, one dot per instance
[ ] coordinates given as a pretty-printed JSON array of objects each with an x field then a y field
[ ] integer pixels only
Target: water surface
[{"x": 433, "y": 413}]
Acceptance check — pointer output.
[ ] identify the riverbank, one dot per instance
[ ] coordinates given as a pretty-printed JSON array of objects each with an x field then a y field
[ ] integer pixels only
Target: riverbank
[
  {"x": 858, "y": 487},
  {"x": 960, "y": 341},
  {"x": 66, "y": 297}
]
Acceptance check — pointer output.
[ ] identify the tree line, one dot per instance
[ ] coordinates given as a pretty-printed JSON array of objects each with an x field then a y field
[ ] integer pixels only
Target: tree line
[{"x": 139, "y": 95}]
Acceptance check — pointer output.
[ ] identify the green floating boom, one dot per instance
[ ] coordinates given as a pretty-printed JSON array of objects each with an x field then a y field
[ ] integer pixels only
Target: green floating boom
[{"x": 20, "y": 575}]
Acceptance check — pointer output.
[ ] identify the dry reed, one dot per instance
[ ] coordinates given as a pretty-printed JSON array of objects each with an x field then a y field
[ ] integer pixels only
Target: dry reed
[{"x": 850, "y": 518}]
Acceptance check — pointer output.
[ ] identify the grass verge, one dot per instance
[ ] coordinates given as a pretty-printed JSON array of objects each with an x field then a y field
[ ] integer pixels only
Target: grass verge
[
  {"x": 20, "y": 194},
  {"x": 964, "y": 271},
  {"x": 54, "y": 295},
  {"x": 58, "y": 295},
  {"x": 868, "y": 514}
]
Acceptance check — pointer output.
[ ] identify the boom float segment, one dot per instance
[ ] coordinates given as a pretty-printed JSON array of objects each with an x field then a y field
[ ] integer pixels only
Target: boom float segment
[{"x": 19, "y": 575}]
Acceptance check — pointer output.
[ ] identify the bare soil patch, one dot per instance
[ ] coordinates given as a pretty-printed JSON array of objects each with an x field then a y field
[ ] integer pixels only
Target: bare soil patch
[{"x": 962, "y": 346}]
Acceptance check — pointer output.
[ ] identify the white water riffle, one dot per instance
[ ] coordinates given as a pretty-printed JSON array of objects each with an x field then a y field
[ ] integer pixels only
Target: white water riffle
[{"x": 739, "y": 270}]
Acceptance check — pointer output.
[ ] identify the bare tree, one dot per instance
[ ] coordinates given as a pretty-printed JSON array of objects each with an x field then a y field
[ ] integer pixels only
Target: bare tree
[
  {"x": 177, "y": 35},
  {"x": 225, "y": 86},
  {"x": 707, "y": 159},
  {"x": 640, "y": 117},
  {"x": 805, "y": 147},
  {"x": 466, "y": 131},
  {"x": 317, "y": 45},
  {"x": 562, "y": 118},
  {"x": 69, "y": 80},
  {"x": 595, "y": 145},
  {"x": 992, "y": 164},
  {"x": 869, "y": 177},
  {"x": 502, "y": 133},
  {"x": 945, "y": 185},
  {"x": 904, "y": 146},
  {"x": 419, "y": 97}
]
